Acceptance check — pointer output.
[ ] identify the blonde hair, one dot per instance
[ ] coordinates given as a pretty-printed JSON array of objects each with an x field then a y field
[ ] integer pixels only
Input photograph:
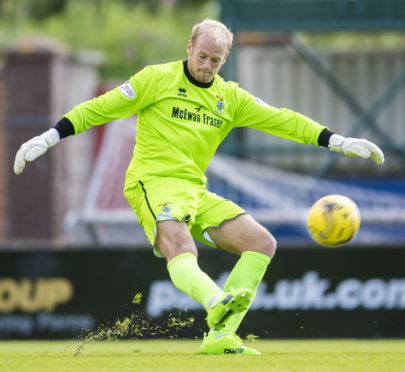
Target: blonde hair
[{"x": 217, "y": 30}]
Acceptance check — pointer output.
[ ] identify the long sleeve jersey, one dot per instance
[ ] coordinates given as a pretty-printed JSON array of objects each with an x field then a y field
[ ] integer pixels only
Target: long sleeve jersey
[{"x": 181, "y": 122}]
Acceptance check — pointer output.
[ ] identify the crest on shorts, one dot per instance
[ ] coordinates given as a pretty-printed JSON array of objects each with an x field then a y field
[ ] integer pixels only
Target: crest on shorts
[
  {"x": 220, "y": 105},
  {"x": 165, "y": 207}
]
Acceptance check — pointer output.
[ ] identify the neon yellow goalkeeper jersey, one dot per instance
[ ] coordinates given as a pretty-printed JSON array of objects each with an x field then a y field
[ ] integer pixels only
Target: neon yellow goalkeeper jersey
[{"x": 181, "y": 122}]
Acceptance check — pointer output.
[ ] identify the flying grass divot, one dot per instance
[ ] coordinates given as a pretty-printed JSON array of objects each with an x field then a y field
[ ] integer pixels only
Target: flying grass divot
[{"x": 135, "y": 326}]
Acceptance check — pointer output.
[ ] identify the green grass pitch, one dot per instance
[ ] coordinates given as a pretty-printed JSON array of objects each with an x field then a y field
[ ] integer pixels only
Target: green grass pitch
[{"x": 182, "y": 355}]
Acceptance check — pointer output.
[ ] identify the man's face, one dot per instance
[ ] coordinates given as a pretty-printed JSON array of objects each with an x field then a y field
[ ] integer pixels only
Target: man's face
[{"x": 206, "y": 57}]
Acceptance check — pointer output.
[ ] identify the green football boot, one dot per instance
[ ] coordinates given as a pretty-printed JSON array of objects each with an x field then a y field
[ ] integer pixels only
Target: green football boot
[
  {"x": 227, "y": 343},
  {"x": 231, "y": 302}
]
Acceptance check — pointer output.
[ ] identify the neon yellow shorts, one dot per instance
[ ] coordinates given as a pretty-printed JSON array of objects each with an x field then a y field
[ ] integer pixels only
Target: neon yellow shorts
[{"x": 165, "y": 198}]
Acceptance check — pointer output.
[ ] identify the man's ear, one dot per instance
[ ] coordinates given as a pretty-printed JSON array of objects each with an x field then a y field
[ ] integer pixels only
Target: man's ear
[{"x": 189, "y": 47}]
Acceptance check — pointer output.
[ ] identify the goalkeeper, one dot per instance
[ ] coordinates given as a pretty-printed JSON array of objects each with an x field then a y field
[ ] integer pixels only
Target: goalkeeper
[{"x": 185, "y": 110}]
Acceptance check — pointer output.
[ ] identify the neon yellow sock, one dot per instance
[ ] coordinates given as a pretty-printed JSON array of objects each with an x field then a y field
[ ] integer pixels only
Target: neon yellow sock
[
  {"x": 187, "y": 276},
  {"x": 247, "y": 273}
]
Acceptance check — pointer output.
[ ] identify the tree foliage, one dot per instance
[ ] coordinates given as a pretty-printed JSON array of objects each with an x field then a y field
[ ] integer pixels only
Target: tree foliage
[{"x": 131, "y": 33}]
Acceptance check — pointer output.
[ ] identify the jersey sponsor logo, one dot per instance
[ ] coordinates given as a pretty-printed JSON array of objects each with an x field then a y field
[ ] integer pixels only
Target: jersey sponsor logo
[
  {"x": 182, "y": 92},
  {"x": 260, "y": 102},
  {"x": 220, "y": 105},
  {"x": 196, "y": 117},
  {"x": 127, "y": 90}
]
